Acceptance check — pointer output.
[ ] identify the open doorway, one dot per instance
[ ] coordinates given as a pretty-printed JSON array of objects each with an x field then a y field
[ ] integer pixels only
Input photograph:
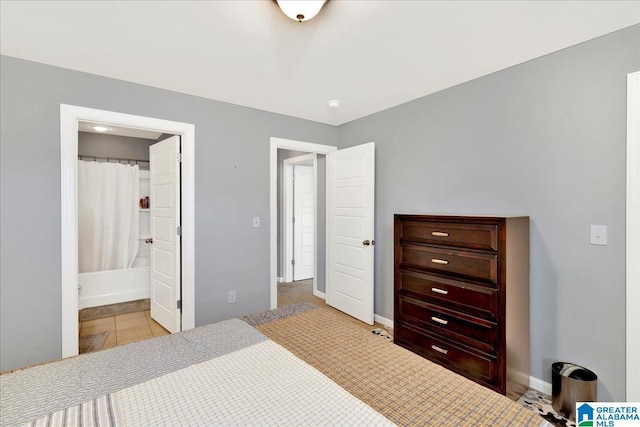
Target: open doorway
[
  {"x": 281, "y": 150},
  {"x": 349, "y": 221},
  {"x": 115, "y": 236},
  {"x": 182, "y": 230},
  {"x": 300, "y": 211}
]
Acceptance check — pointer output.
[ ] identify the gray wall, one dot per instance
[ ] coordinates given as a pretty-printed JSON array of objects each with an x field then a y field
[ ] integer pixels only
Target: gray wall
[
  {"x": 124, "y": 147},
  {"x": 231, "y": 186},
  {"x": 321, "y": 209},
  {"x": 546, "y": 138}
]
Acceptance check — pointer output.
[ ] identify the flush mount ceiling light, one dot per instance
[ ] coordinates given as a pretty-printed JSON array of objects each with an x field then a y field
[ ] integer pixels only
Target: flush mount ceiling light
[
  {"x": 301, "y": 10},
  {"x": 334, "y": 103},
  {"x": 100, "y": 128}
]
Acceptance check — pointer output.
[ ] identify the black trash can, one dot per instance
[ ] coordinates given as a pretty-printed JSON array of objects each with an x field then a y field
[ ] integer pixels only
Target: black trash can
[{"x": 570, "y": 384}]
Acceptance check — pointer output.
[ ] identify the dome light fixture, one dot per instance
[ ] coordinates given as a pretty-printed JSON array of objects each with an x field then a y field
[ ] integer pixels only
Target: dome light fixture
[
  {"x": 334, "y": 103},
  {"x": 100, "y": 128},
  {"x": 301, "y": 10}
]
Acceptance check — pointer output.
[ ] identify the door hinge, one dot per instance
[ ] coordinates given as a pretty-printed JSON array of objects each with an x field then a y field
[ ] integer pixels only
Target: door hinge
[
  {"x": 179, "y": 157},
  {"x": 179, "y": 230},
  {"x": 179, "y": 304},
  {"x": 293, "y": 262}
]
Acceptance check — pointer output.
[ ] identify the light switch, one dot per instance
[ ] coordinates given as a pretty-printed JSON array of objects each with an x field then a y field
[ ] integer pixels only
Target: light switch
[
  {"x": 256, "y": 221},
  {"x": 599, "y": 235}
]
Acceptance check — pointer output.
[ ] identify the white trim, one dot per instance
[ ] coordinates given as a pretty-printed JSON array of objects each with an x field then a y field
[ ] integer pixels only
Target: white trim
[
  {"x": 538, "y": 384},
  {"x": 69, "y": 117},
  {"x": 319, "y": 294},
  {"x": 69, "y": 229},
  {"x": 287, "y": 231},
  {"x": 280, "y": 279},
  {"x": 287, "y": 199},
  {"x": 633, "y": 238},
  {"x": 314, "y": 177},
  {"x": 286, "y": 144},
  {"x": 383, "y": 321}
]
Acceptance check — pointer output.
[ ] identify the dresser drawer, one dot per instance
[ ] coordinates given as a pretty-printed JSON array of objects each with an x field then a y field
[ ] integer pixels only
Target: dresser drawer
[
  {"x": 477, "y": 300},
  {"x": 482, "y": 267},
  {"x": 478, "y": 333},
  {"x": 475, "y": 236},
  {"x": 480, "y": 366}
]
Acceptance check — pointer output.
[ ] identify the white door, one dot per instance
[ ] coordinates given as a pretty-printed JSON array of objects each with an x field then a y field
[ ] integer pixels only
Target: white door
[
  {"x": 350, "y": 227},
  {"x": 304, "y": 196},
  {"x": 164, "y": 222}
]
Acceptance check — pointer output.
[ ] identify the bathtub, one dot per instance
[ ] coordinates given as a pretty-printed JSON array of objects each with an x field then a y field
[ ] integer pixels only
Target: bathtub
[{"x": 114, "y": 286}]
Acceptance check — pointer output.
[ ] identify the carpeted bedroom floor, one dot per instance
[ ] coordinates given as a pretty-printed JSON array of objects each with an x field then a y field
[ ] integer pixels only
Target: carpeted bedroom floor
[
  {"x": 399, "y": 384},
  {"x": 302, "y": 292}
]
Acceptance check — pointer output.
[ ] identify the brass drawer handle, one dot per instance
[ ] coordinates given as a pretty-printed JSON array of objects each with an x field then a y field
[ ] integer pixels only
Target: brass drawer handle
[
  {"x": 439, "y": 234},
  {"x": 439, "y": 261},
  {"x": 439, "y": 349},
  {"x": 439, "y": 320},
  {"x": 439, "y": 291}
]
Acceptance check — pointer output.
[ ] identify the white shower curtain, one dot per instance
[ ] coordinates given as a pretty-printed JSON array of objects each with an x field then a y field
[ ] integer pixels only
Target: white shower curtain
[{"x": 108, "y": 210}]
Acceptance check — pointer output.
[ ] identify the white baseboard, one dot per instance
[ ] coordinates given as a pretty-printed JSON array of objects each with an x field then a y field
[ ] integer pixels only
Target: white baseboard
[
  {"x": 383, "y": 321},
  {"x": 540, "y": 385},
  {"x": 280, "y": 279},
  {"x": 319, "y": 294}
]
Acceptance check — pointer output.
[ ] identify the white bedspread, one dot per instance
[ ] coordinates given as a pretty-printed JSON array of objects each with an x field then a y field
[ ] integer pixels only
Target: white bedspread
[{"x": 260, "y": 385}]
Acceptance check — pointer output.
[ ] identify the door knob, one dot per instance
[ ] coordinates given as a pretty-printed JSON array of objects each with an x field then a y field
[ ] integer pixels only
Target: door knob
[
  {"x": 148, "y": 240},
  {"x": 366, "y": 243}
]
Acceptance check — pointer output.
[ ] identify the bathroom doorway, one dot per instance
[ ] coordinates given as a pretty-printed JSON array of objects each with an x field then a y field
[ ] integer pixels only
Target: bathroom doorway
[
  {"x": 181, "y": 301},
  {"x": 115, "y": 239}
]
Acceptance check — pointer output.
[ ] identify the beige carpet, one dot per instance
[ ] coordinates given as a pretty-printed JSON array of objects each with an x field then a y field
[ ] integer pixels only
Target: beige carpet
[
  {"x": 300, "y": 291},
  {"x": 407, "y": 389}
]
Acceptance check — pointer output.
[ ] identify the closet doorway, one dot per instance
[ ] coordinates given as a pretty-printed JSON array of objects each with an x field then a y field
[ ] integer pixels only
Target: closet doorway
[{"x": 169, "y": 224}]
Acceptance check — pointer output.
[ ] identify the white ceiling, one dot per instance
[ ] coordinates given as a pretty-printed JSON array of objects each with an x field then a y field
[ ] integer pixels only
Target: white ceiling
[{"x": 371, "y": 55}]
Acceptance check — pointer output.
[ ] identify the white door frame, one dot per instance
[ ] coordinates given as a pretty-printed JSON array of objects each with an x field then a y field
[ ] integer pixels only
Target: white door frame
[
  {"x": 633, "y": 238},
  {"x": 69, "y": 117},
  {"x": 288, "y": 205},
  {"x": 287, "y": 144}
]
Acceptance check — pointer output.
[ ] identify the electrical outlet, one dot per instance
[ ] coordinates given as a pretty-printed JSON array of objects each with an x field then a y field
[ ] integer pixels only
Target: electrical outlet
[
  {"x": 231, "y": 297},
  {"x": 256, "y": 221}
]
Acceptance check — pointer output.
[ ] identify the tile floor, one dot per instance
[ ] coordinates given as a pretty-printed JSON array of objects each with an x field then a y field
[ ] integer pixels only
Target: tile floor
[{"x": 124, "y": 328}]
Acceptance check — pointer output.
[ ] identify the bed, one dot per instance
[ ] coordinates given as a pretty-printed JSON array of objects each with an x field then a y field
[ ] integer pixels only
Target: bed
[{"x": 301, "y": 365}]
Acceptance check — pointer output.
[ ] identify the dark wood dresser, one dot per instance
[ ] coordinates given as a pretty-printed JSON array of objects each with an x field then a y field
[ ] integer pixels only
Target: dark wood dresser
[{"x": 462, "y": 295}]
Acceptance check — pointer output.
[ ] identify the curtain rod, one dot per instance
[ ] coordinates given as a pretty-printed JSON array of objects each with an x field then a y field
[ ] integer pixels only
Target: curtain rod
[{"x": 108, "y": 159}]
